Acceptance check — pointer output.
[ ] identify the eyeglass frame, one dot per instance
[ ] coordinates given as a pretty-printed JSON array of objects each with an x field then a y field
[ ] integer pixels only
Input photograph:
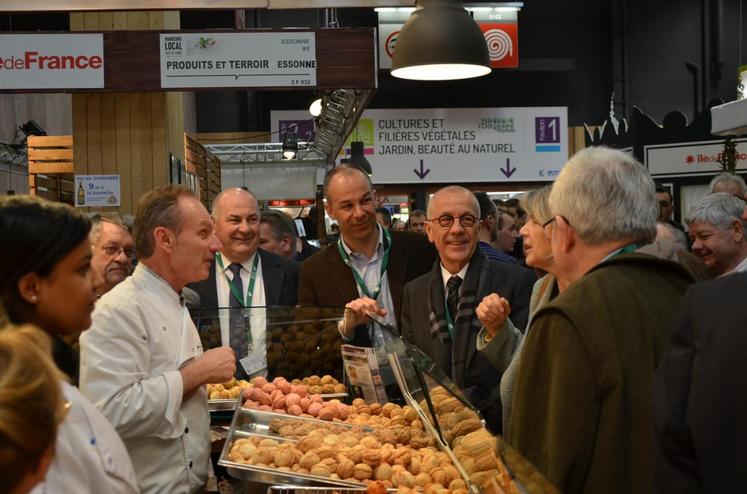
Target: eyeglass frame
[
  {"x": 450, "y": 220},
  {"x": 131, "y": 255}
]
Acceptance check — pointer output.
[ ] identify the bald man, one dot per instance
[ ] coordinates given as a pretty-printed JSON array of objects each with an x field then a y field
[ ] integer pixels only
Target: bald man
[
  {"x": 242, "y": 275},
  {"x": 440, "y": 313}
]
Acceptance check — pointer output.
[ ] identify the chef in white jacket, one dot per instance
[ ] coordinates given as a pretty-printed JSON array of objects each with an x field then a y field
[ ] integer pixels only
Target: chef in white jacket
[{"x": 142, "y": 363}]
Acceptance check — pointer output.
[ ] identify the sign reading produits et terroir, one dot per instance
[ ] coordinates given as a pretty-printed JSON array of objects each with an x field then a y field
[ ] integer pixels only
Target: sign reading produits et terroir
[
  {"x": 97, "y": 190},
  {"x": 42, "y": 61},
  {"x": 454, "y": 145},
  {"x": 238, "y": 59},
  {"x": 683, "y": 159}
]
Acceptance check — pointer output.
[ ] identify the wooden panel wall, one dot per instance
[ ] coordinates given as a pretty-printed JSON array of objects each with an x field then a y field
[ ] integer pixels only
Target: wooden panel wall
[
  {"x": 127, "y": 134},
  {"x": 50, "y": 167}
]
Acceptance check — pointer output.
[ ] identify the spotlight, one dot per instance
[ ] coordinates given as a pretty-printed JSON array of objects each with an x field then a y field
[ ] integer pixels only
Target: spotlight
[
  {"x": 316, "y": 107},
  {"x": 290, "y": 145}
]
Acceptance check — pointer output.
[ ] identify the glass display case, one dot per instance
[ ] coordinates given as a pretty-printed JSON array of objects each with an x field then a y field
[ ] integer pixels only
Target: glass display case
[
  {"x": 442, "y": 429},
  {"x": 292, "y": 342}
]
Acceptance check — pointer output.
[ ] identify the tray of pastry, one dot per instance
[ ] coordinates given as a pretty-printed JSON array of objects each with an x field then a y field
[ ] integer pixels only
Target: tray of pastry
[{"x": 254, "y": 451}]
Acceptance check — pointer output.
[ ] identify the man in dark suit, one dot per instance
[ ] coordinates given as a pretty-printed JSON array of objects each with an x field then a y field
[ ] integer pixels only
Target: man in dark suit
[
  {"x": 367, "y": 269},
  {"x": 701, "y": 392},
  {"x": 241, "y": 275},
  {"x": 439, "y": 308}
]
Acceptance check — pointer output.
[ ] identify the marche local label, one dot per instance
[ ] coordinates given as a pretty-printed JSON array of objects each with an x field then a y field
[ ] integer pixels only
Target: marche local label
[
  {"x": 51, "y": 61},
  {"x": 238, "y": 59}
]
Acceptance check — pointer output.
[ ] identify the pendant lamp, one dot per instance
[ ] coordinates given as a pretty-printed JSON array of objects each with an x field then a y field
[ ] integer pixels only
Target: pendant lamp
[
  {"x": 358, "y": 159},
  {"x": 440, "y": 41}
]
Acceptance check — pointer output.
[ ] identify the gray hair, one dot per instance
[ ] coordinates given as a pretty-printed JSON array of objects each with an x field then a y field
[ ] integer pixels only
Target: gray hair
[
  {"x": 719, "y": 210},
  {"x": 679, "y": 237},
  {"x": 536, "y": 203},
  {"x": 728, "y": 177},
  {"x": 114, "y": 218},
  {"x": 606, "y": 195}
]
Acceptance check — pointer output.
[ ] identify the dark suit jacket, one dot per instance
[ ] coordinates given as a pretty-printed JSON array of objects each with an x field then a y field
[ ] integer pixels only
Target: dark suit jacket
[
  {"x": 701, "y": 392},
  {"x": 279, "y": 275},
  {"x": 479, "y": 380},
  {"x": 326, "y": 281}
]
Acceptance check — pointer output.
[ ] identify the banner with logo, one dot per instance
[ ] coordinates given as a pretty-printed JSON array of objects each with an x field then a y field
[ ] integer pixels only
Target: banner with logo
[
  {"x": 499, "y": 26},
  {"x": 456, "y": 145},
  {"x": 51, "y": 61},
  {"x": 684, "y": 159}
]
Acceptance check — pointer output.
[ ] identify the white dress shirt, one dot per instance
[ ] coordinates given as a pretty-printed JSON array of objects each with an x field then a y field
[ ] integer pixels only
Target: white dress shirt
[
  {"x": 257, "y": 363},
  {"x": 89, "y": 455},
  {"x": 130, "y": 359},
  {"x": 445, "y": 275},
  {"x": 369, "y": 270}
]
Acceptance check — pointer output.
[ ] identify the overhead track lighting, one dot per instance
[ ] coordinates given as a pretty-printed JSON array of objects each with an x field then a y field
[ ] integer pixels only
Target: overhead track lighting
[
  {"x": 440, "y": 41},
  {"x": 357, "y": 158}
]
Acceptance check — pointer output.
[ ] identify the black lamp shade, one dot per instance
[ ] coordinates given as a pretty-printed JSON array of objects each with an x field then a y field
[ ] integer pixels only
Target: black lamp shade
[
  {"x": 357, "y": 158},
  {"x": 440, "y": 41}
]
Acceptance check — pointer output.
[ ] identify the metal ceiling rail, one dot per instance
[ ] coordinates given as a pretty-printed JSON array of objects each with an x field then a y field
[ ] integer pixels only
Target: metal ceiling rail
[{"x": 263, "y": 153}]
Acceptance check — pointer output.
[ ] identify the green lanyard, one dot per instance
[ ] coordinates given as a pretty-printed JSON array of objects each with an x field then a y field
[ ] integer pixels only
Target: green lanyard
[
  {"x": 449, "y": 321},
  {"x": 384, "y": 264},
  {"x": 234, "y": 288}
]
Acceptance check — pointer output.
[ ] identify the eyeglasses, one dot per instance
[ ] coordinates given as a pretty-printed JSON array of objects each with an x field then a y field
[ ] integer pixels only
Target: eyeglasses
[
  {"x": 447, "y": 220},
  {"x": 113, "y": 251}
]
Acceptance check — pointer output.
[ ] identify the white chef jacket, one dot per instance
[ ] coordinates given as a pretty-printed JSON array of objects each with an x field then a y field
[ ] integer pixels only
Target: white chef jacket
[
  {"x": 129, "y": 368},
  {"x": 89, "y": 455}
]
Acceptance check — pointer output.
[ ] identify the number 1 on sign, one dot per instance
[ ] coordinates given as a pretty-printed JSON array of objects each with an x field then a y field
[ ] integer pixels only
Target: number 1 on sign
[{"x": 554, "y": 130}]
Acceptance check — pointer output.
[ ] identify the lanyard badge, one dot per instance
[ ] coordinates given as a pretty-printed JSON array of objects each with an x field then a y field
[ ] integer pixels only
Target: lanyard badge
[{"x": 384, "y": 264}]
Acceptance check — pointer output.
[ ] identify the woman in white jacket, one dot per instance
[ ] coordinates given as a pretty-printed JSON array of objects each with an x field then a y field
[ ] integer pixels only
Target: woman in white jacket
[{"x": 46, "y": 280}]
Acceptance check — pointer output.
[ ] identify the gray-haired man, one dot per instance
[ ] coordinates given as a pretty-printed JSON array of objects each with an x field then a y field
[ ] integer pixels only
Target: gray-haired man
[{"x": 717, "y": 231}]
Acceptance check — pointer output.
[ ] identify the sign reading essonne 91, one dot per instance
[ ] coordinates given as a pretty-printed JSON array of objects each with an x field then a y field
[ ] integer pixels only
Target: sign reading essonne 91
[
  {"x": 51, "y": 61},
  {"x": 274, "y": 59}
]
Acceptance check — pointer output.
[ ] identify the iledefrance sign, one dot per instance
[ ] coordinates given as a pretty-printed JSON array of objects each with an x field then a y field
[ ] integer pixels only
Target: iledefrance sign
[{"x": 41, "y": 61}]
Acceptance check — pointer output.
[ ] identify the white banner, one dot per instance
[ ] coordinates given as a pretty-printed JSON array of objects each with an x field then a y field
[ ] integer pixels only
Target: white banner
[
  {"x": 690, "y": 158},
  {"x": 238, "y": 59},
  {"x": 51, "y": 61},
  {"x": 97, "y": 190},
  {"x": 455, "y": 145}
]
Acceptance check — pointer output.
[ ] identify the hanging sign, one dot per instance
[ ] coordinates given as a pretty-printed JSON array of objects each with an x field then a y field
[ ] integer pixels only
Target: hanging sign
[
  {"x": 455, "y": 145},
  {"x": 286, "y": 59},
  {"x": 97, "y": 191},
  {"x": 51, "y": 61},
  {"x": 684, "y": 159}
]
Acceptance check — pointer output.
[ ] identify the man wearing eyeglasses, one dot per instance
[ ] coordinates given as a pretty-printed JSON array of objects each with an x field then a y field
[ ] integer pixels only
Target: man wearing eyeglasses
[
  {"x": 439, "y": 309},
  {"x": 112, "y": 250}
]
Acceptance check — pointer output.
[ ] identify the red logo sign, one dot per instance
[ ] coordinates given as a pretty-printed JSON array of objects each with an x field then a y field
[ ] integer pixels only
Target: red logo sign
[
  {"x": 391, "y": 40},
  {"x": 503, "y": 44}
]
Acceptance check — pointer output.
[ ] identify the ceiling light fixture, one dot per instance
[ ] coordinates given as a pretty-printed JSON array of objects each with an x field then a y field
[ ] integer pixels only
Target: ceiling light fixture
[
  {"x": 316, "y": 107},
  {"x": 358, "y": 158},
  {"x": 440, "y": 41}
]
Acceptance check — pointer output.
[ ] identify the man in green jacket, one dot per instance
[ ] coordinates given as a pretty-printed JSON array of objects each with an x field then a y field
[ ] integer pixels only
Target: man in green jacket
[{"x": 583, "y": 408}]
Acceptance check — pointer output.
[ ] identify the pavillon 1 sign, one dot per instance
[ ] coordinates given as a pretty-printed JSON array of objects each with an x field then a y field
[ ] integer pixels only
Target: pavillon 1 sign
[
  {"x": 44, "y": 61},
  {"x": 455, "y": 145}
]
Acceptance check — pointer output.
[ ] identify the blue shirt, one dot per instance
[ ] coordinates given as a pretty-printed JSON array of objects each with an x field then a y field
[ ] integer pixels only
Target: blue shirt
[{"x": 497, "y": 255}]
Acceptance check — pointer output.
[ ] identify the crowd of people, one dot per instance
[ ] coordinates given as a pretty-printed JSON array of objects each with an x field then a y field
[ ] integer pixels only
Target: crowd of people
[{"x": 597, "y": 334}]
